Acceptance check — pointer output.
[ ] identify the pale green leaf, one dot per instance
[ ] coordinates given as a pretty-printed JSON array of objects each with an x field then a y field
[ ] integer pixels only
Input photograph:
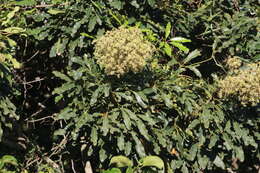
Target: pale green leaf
[
  {"x": 191, "y": 56},
  {"x": 219, "y": 162},
  {"x": 152, "y": 161},
  {"x": 94, "y": 136},
  {"x": 167, "y": 49},
  {"x": 180, "y": 46},
  {"x": 168, "y": 30},
  {"x": 55, "y": 11},
  {"x": 180, "y": 40},
  {"x": 121, "y": 161}
]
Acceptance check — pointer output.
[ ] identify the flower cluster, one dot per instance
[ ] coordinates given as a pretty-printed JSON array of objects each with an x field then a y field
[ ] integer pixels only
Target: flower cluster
[
  {"x": 122, "y": 50},
  {"x": 233, "y": 63},
  {"x": 243, "y": 84}
]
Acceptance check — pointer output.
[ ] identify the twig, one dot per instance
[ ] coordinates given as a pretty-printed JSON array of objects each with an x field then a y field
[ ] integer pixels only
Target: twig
[{"x": 72, "y": 166}]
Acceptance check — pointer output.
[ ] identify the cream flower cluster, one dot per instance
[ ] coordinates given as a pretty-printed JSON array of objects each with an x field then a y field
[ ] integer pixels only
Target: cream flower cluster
[
  {"x": 122, "y": 50},
  {"x": 243, "y": 84},
  {"x": 234, "y": 63}
]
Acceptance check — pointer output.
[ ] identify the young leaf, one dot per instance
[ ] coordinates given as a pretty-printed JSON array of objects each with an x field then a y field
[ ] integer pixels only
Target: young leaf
[
  {"x": 94, "y": 136},
  {"x": 126, "y": 120},
  {"x": 167, "y": 49},
  {"x": 152, "y": 161},
  {"x": 180, "y": 40},
  {"x": 180, "y": 46},
  {"x": 219, "y": 162},
  {"x": 121, "y": 161},
  {"x": 167, "y": 30}
]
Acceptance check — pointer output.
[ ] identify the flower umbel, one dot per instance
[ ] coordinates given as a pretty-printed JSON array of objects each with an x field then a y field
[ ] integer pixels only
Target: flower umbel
[
  {"x": 122, "y": 50},
  {"x": 243, "y": 85}
]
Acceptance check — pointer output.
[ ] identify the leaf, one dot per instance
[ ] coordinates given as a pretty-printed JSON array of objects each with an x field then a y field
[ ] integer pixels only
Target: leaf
[
  {"x": 138, "y": 145},
  {"x": 240, "y": 153},
  {"x": 95, "y": 95},
  {"x": 180, "y": 40},
  {"x": 139, "y": 100},
  {"x": 55, "y": 11},
  {"x": 184, "y": 169},
  {"x": 128, "y": 148},
  {"x": 180, "y": 46},
  {"x": 121, "y": 161},
  {"x": 113, "y": 170},
  {"x": 105, "y": 125},
  {"x": 142, "y": 129},
  {"x": 117, "y": 4},
  {"x": 167, "y": 100},
  {"x": 61, "y": 76},
  {"x": 203, "y": 162},
  {"x": 94, "y": 136},
  {"x": 219, "y": 163},
  {"x": 167, "y": 30},
  {"x": 135, "y": 4},
  {"x": 102, "y": 155},
  {"x": 87, "y": 35},
  {"x": 196, "y": 71},
  {"x": 126, "y": 120},
  {"x": 129, "y": 170},
  {"x": 92, "y": 23},
  {"x": 10, "y": 160},
  {"x": 13, "y": 30},
  {"x": 121, "y": 142},
  {"x": 191, "y": 56},
  {"x": 167, "y": 49},
  {"x": 152, "y": 161},
  {"x": 1, "y": 132},
  {"x": 151, "y": 3}
]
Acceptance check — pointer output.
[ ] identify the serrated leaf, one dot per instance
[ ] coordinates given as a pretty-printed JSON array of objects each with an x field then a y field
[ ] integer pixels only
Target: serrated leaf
[
  {"x": 105, "y": 125},
  {"x": 94, "y": 136},
  {"x": 116, "y": 4},
  {"x": 191, "y": 56},
  {"x": 219, "y": 162},
  {"x": 213, "y": 141},
  {"x": 180, "y": 40},
  {"x": 142, "y": 129},
  {"x": 184, "y": 169},
  {"x": 102, "y": 155},
  {"x": 139, "y": 100},
  {"x": 152, "y": 161},
  {"x": 138, "y": 145},
  {"x": 126, "y": 120},
  {"x": 128, "y": 148},
  {"x": 61, "y": 76},
  {"x": 121, "y": 161},
  {"x": 92, "y": 23},
  {"x": 121, "y": 142},
  {"x": 168, "y": 30},
  {"x": 167, "y": 100},
  {"x": 240, "y": 153},
  {"x": 95, "y": 95}
]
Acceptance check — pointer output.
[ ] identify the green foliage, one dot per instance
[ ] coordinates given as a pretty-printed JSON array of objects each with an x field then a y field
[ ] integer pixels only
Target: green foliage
[
  {"x": 8, "y": 164},
  {"x": 169, "y": 107},
  {"x": 146, "y": 164}
]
